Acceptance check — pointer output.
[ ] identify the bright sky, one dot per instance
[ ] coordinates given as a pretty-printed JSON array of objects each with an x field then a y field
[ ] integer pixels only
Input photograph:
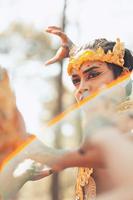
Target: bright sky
[{"x": 95, "y": 18}]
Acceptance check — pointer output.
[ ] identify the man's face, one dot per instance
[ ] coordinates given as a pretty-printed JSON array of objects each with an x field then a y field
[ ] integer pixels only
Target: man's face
[{"x": 91, "y": 76}]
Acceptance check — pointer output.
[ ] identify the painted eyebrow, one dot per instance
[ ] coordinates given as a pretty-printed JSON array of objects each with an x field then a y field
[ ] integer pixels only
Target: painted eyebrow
[
  {"x": 85, "y": 71},
  {"x": 75, "y": 76},
  {"x": 90, "y": 69}
]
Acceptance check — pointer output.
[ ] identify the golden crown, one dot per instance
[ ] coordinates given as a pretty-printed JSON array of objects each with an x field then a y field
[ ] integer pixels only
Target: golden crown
[{"x": 116, "y": 56}]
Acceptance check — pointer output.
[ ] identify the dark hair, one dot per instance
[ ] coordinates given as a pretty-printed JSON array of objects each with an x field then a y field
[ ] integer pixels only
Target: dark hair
[
  {"x": 108, "y": 45},
  {"x": 128, "y": 63}
]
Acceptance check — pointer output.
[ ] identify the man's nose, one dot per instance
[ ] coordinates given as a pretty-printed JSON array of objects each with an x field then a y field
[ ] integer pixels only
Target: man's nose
[{"x": 83, "y": 91}]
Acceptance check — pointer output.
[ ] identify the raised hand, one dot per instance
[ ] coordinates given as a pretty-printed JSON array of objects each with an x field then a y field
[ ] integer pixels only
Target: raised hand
[{"x": 66, "y": 45}]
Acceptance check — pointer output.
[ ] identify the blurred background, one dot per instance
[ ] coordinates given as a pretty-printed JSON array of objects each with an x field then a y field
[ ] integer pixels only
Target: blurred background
[{"x": 43, "y": 92}]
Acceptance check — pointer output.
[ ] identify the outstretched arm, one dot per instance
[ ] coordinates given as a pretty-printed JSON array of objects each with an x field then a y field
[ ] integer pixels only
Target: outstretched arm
[
  {"x": 30, "y": 163},
  {"x": 34, "y": 162}
]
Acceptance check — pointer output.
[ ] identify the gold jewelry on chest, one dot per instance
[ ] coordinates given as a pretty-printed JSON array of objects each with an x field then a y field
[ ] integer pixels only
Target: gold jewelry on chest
[{"x": 85, "y": 185}]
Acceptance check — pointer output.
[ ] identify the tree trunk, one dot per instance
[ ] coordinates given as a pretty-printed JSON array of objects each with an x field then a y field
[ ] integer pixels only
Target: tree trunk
[{"x": 55, "y": 186}]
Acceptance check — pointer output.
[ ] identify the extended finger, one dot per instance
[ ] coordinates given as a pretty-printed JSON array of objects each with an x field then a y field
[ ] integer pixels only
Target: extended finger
[
  {"x": 59, "y": 33},
  {"x": 61, "y": 53},
  {"x": 41, "y": 174},
  {"x": 54, "y": 27}
]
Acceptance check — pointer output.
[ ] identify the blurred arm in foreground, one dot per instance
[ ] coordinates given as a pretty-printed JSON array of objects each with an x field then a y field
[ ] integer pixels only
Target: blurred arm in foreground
[
  {"x": 22, "y": 156},
  {"x": 111, "y": 150}
]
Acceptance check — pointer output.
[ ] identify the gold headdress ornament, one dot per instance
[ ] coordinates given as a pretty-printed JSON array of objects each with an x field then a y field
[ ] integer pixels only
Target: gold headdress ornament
[{"x": 116, "y": 56}]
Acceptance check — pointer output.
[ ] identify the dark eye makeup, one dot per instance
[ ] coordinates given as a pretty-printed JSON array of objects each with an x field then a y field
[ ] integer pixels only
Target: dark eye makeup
[
  {"x": 92, "y": 74},
  {"x": 76, "y": 81},
  {"x": 89, "y": 73}
]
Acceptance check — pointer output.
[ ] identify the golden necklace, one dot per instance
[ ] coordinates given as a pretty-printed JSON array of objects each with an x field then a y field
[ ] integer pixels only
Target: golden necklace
[{"x": 85, "y": 185}]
